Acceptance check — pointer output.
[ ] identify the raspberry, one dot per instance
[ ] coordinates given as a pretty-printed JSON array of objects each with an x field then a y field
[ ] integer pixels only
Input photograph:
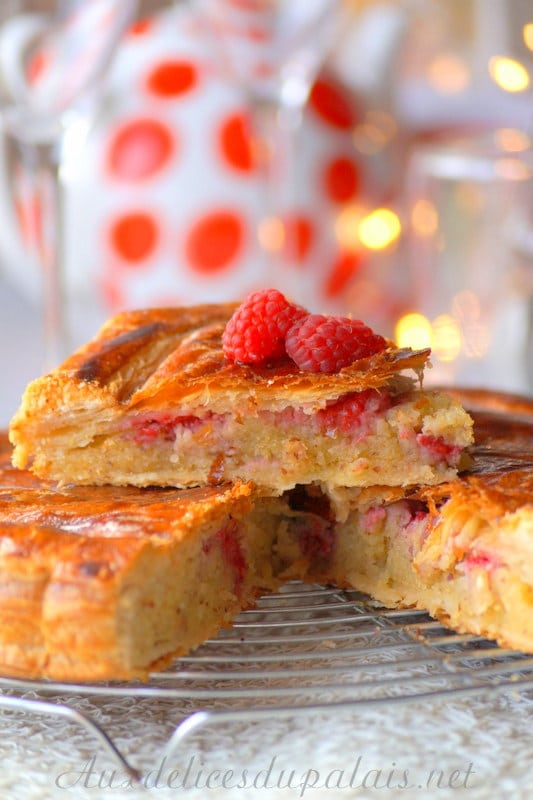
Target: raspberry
[
  {"x": 439, "y": 449},
  {"x": 315, "y": 536},
  {"x": 353, "y": 412},
  {"x": 327, "y": 344},
  {"x": 255, "y": 334}
]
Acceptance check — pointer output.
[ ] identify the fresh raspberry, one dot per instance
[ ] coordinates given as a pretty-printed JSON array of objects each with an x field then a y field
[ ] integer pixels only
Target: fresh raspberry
[
  {"x": 255, "y": 334},
  {"x": 327, "y": 344}
]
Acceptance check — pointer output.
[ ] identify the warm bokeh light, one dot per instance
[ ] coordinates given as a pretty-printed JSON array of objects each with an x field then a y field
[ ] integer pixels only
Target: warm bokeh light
[
  {"x": 466, "y": 306},
  {"x": 448, "y": 74},
  {"x": 375, "y": 132},
  {"x": 369, "y": 140},
  {"x": 447, "y": 338},
  {"x": 424, "y": 218},
  {"x": 413, "y": 330},
  {"x": 271, "y": 234},
  {"x": 509, "y": 74},
  {"x": 379, "y": 229},
  {"x": 346, "y": 228},
  {"x": 512, "y": 140},
  {"x": 528, "y": 35},
  {"x": 512, "y": 169},
  {"x": 476, "y": 340},
  {"x": 384, "y": 121}
]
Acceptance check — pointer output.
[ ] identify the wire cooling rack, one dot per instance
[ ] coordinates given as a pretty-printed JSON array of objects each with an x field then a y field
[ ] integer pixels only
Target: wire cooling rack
[{"x": 303, "y": 650}]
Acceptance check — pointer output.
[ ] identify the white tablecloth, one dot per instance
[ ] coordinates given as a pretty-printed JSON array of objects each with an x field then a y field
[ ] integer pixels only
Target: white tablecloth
[{"x": 474, "y": 748}]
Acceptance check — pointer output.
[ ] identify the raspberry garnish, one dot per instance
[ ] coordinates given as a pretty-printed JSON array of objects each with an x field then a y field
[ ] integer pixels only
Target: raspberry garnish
[
  {"x": 317, "y": 343},
  {"x": 267, "y": 328},
  {"x": 255, "y": 334}
]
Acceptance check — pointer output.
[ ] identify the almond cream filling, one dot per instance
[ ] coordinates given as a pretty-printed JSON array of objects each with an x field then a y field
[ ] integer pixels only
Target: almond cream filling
[
  {"x": 343, "y": 444},
  {"x": 361, "y": 439}
]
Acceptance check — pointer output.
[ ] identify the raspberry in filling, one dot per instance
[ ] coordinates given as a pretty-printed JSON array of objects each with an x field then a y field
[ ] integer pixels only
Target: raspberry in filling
[
  {"x": 164, "y": 427},
  {"x": 417, "y": 510},
  {"x": 412, "y": 523},
  {"x": 228, "y": 540},
  {"x": 487, "y": 562},
  {"x": 438, "y": 449},
  {"x": 351, "y": 414},
  {"x": 315, "y": 536},
  {"x": 372, "y": 518}
]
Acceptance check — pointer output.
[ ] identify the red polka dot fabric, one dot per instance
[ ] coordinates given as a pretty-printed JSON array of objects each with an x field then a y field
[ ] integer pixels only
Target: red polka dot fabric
[{"x": 169, "y": 197}]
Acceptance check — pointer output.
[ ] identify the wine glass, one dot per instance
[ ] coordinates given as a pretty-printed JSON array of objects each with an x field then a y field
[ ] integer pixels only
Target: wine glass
[
  {"x": 469, "y": 251},
  {"x": 272, "y": 50},
  {"x": 53, "y": 56}
]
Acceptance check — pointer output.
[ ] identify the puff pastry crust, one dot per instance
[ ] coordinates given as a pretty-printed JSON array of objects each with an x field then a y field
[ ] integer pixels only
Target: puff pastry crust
[
  {"x": 152, "y": 401},
  {"x": 463, "y": 550},
  {"x": 108, "y": 583}
]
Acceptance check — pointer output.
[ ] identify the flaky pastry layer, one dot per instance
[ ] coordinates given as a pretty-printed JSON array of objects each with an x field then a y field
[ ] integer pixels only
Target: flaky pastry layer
[{"x": 153, "y": 401}]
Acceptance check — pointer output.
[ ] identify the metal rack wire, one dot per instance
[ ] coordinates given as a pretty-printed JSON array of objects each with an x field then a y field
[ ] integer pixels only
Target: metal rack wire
[{"x": 303, "y": 650}]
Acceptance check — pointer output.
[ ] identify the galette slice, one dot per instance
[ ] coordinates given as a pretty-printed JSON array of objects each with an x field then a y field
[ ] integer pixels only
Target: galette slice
[{"x": 154, "y": 399}]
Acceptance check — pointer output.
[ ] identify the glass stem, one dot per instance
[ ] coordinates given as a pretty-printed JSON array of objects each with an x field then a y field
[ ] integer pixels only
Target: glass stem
[
  {"x": 38, "y": 164},
  {"x": 277, "y": 128}
]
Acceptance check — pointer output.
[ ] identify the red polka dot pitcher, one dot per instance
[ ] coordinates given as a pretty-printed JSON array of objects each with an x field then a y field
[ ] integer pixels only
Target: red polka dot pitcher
[{"x": 163, "y": 193}]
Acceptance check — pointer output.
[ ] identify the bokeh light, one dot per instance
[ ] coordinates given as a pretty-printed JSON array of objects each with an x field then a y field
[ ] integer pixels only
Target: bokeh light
[
  {"x": 347, "y": 228},
  {"x": 512, "y": 140},
  {"x": 413, "y": 330},
  {"x": 271, "y": 234},
  {"x": 509, "y": 74},
  {"x": 424, "y": 218},
  {"x": 447, "y": 338},
  {"x": 448, "y": 74},
  {"x": 379, "y": 229},
  {"x": 375, "y": 132},
  {"x": 528, "y": 35}
]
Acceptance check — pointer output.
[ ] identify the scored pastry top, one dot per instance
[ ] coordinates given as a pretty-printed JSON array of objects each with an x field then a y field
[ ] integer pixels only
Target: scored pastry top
[{"x": 141, "y": 359}]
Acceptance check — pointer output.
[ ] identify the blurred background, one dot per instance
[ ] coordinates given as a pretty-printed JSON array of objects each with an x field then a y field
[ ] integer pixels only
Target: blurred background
[{"x": 374, "y": 159}]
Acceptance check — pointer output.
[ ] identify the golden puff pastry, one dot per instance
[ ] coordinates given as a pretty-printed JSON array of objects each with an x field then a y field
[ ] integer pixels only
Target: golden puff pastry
[{"x": 153, "y": 401}]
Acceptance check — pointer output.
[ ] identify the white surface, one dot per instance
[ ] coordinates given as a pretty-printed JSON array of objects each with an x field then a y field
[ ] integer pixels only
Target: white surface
[{"x": 476, "y": 748}]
